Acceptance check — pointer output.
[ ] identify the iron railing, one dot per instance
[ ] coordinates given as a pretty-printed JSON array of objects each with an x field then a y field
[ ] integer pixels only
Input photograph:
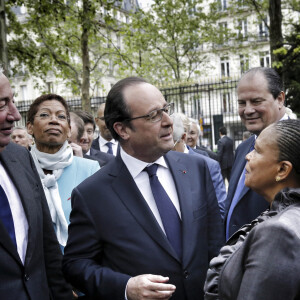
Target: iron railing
[{"x": 213, "y": 104}]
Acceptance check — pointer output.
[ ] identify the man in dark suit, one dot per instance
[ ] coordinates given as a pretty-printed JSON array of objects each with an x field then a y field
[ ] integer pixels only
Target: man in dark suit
[
  {"x": 86, "y": 139},
  {"x": 30, "y": 257},
  {"x": 134, "y": 235},
  {"x": 225, "y": 153},
  {"x": 261, "y": 103},
  {"x": 104, "y": 142}
]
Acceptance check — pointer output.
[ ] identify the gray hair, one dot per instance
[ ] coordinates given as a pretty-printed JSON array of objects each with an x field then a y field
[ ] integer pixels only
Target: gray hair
[
  {"x": 178, "y": 127},
  {"x": 21, "y": 128}
]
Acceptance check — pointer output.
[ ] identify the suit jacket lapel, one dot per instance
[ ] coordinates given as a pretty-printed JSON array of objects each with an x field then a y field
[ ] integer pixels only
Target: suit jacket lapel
[
  {"x": 242, "y": 166},
  {"x": 182, "y": 182},
  {"x": 25, "y": 190},
  {"x": 128, "y": 192}
]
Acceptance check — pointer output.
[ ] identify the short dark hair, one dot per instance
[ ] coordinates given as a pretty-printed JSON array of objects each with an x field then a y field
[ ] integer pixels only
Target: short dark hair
[
  {"x": 116, "y": 109},
  {"x": 79, "y": 124},
  {"x": 86, "y": 117},
  {"x": 47, "y": 97},
  {"x": 288, "y": 140},
  {"x": 275, "y": 85},
  {"x": 223, "y": 130}
]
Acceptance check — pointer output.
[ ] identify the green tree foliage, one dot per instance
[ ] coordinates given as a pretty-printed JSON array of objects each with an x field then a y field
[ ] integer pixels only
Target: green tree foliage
[
  {"x": 289, "y": 60},
  {"x": 67, "y": 38},
  {"x": 166, "y": 41}
]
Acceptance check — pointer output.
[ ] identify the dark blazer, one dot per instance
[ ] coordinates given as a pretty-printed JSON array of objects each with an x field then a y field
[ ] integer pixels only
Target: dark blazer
[
  {"x": 267, "y": 265},
  {"x": 210, "y": 153},
  {"x": 102, "y": 157},
  {"x": 95, "y": 144},
  {"x": 41, "y": 276},
  {"x": 250, "y": 204},
  {"x": 225, "y": 152},
  {"x": 113, "y": 234},
  {"x": 217, "y": 179}
]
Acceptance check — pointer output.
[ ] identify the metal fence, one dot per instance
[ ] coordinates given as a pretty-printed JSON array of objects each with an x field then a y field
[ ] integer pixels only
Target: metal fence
[{"x": 213, "y": 104}]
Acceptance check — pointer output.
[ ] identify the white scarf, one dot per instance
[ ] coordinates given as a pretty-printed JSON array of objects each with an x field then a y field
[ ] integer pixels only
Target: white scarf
[{"x": 55, "y": 162}]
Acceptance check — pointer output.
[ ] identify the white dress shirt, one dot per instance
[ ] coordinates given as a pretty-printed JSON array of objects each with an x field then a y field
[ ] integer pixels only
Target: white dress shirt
[
  {"x": 103, "y": 147},
  {"x": 17, "y": 211},
  {"x": 141, "y": 178}
]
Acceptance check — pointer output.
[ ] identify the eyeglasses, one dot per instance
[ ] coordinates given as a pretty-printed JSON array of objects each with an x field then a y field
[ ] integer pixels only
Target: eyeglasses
[
  {"x": 45, "y": 116},
  {"x": 156, "y": 115}
]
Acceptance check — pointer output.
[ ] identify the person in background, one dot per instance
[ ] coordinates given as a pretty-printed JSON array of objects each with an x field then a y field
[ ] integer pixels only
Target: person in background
[
  {"x": 261, "y": 260},
  {"x": 155, "y": 225},
  {"x": 60, "y": 171},
  {"x": 87, "y": 139},
  {"x": 179, "y": 136},
  {"x": 21, "y": 137},
  {"x": 260, "y": 103},
  {"x": 225, "y": 153},
  {"x": 193, "y": 138},
  {"x": 30, "y": 258},
  {"x": 77, "y": 130},
  {"x": 246, "y": 135},
  {"x": 104, "y": 142}
]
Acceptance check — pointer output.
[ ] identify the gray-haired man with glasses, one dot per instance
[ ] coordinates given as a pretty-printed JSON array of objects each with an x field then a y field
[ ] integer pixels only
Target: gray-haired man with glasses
[{"x": 147, "y": 224}]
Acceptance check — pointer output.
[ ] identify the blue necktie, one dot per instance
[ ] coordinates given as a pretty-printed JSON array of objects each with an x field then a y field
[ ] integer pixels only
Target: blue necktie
[
  {"x": 6, "y": 216},
  {"x": 109, "y": 145},
  {"x": 168, "y": 213},
  {"x": 236, "y": 196}
]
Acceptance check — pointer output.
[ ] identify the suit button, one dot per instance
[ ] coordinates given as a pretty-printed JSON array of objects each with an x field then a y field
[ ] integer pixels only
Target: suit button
[
  {"x": 186, "y": 274},
  {"x": 26, "y": 277}
]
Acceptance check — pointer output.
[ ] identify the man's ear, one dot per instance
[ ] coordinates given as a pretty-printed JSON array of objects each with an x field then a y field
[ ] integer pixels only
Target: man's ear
[
  {"x": 281, "y": 99},
  {"x": 184, "y": 137},
  {"x": 122, "y": 130},
  {"x": 284, "y": 169}
]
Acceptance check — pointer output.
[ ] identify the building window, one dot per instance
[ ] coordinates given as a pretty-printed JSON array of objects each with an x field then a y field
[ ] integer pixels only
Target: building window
[
  {"x": 263, "y": 31},
  {"x": 225, "y": 67},
  {"x": 226, "y": 103},
  {"x": 50, "y": 87},
  {"x": 24, "y": 92},
  {"x": 222, "y": 5},
  {"x": 244, "y": 63},
  {"x": 241, "y": 3},
  {"x": 264, "y": 58},
  {"x": 223, "y": 33},
  {"x": 243, "y": 30}
]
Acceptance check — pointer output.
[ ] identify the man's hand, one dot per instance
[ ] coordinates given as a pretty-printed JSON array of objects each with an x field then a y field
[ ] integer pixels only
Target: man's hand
[
  {"x": 149, "y": 287},
  {"x": 77, "y": 150}
]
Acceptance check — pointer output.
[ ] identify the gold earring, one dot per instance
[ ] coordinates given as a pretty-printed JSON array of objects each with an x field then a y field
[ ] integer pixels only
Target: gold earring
[{"x": 277, "y": 178}]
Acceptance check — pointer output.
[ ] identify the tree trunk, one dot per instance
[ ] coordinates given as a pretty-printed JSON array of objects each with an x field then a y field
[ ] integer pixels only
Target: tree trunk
[
  {"x": 85, "y": 87},
  {"x": 276, "y": 39},
  {"x": 3, "y": 42}
]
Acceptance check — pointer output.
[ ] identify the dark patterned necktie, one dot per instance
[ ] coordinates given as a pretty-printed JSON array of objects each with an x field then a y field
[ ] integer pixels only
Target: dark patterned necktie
[
  {"x": 109, "y": 145},
  {"x": 168, "y": 213},
  {"x": 6, "y": 216}
]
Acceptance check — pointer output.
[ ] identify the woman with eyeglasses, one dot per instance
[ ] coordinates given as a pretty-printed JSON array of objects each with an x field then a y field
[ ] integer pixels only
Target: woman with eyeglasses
[
  {"x": 261, "y": 260},
  {"x": 48, "y": 121}
]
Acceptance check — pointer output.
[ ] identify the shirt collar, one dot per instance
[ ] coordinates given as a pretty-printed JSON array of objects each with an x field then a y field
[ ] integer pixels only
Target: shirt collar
[
  {"x": 136, "y": 166},
  {"x": 104, "y": 141},
  {"x": 186, "y": 149}
]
